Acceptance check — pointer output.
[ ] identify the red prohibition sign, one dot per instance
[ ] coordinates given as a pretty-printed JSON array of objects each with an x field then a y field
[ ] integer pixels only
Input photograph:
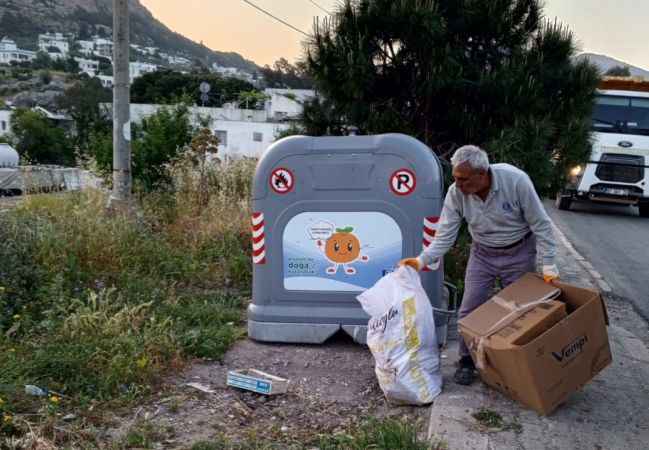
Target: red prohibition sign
[
  {"x": 403, "y": 182},
  {"x": 282, "y": 180}
]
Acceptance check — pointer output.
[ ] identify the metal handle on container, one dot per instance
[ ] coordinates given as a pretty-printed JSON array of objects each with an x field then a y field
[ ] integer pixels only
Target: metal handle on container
[{"x": 453, "y": 292}]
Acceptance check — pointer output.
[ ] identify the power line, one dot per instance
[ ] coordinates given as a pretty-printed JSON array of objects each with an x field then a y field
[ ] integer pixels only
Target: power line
[
  {"x": 319, "y": 7},
  {"x": 275, "y": 17}
]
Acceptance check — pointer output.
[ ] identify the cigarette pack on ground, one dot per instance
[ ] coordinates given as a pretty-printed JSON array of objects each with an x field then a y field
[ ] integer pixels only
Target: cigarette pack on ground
[
  {"x": 538, "y": 343},
  {"x": 257, "y": 381}
]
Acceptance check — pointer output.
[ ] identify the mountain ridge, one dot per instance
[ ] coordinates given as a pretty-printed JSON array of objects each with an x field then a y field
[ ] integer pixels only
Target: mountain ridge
[{"x": 23, "y": 20}]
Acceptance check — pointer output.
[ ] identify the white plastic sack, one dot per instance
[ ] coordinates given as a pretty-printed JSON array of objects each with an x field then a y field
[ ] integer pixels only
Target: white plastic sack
[{"x": 401, "y": 336}]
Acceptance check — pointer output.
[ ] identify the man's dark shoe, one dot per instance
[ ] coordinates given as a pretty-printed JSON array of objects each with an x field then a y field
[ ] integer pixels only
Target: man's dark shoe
[{"x": 465, "y": 373}]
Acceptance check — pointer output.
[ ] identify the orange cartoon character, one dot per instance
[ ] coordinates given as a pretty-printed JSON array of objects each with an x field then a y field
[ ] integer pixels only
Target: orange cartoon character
[{"x": 342, "y": 248}]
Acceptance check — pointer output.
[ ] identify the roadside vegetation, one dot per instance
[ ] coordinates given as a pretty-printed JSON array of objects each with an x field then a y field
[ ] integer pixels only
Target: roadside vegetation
[{"x": 95, "y": 309}]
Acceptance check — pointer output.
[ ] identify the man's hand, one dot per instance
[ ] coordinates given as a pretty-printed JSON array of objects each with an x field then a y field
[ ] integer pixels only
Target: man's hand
[
  {"x": 550, "y": 273},
  {"x": 411, "y": 262}
]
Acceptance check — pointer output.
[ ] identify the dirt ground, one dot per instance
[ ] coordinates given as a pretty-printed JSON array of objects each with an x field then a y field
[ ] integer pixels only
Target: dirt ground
[{"x": 332, "y": 386}]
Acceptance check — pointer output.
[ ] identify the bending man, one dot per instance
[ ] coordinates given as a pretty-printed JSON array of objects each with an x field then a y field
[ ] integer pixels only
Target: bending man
[{"x": 506, "y": 219}]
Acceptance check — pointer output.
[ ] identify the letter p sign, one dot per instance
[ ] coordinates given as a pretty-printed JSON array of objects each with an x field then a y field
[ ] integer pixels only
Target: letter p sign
[{"x": 403, "y": 182}]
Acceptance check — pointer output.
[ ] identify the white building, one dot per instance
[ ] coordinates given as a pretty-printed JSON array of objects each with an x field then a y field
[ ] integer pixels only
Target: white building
[
  {"x": 103, "y": 47},
  {"x": 286, "y": 104},
  {"x": 8, "y": 157},
  {"x": 86, "y": 48},
  {"x": 54, "y": 40},
  {"x": 137, "y": 69},
  {"x": 179, "y": 60},
  {"x": 107, "y": 81},
  {"x": 232, "y": 72},
  {"x": 89, "y": 66},
  {"x": 9, "y": 52},
  {"x": 5, "y": 121},
  {"x": 241, "y": 132}
]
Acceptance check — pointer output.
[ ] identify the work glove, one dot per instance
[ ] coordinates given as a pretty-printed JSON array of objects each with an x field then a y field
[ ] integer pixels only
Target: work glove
[
  {"x": 411, "y": 262},
  {"x": 550, "y": 273}
]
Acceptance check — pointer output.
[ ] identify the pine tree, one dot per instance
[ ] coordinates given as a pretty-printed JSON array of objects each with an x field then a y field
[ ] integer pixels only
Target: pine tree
[{"x": 451, "y": 72}]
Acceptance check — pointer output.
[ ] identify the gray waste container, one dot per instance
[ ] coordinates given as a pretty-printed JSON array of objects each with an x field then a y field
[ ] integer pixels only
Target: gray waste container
[{"x": 331, "y": 216}]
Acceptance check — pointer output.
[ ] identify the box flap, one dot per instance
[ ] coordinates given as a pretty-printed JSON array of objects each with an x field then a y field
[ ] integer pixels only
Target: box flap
[{"x": 529, "y": 288}]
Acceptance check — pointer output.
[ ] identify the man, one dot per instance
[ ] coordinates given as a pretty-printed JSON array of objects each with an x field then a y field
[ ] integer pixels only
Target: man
[{"x": 505, "y": 218}]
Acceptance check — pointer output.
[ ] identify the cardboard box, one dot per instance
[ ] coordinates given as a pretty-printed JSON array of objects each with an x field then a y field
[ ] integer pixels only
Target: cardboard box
[
  {"x": 257, "y": 381},
  {"x": 539, "y": 357}
]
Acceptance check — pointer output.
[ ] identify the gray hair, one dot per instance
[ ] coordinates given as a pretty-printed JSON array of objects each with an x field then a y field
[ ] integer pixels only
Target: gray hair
[{"x": 473, "y": 155}]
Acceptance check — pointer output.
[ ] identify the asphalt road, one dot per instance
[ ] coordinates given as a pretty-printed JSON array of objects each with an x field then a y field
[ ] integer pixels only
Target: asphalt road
[{"x": 615, "y": 240}]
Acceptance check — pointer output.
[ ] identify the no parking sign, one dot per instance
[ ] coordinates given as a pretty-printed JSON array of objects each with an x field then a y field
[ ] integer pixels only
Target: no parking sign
[{"x": 403, "y": 182}]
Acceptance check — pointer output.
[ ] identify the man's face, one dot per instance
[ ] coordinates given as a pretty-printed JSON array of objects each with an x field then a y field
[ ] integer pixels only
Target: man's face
[{"x": 469, "y": 180}]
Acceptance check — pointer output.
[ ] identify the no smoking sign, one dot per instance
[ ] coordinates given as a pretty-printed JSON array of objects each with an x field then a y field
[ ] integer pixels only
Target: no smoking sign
[
  {"x": 403, "y": 182},
  {"x": 282, "y": 180}
]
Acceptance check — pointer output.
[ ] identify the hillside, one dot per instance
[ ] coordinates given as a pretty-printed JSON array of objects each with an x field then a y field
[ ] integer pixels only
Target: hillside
[
  {"x": 605, "y": 63},
  {"x": 23, "y": 20}
]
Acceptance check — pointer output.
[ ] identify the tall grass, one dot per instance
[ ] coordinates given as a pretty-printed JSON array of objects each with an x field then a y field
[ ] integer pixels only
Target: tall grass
[{"x": 97, "y": 307}]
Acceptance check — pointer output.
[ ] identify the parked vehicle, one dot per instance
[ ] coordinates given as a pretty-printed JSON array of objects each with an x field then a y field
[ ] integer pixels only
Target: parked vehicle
[{"x": 618, "y": 168}]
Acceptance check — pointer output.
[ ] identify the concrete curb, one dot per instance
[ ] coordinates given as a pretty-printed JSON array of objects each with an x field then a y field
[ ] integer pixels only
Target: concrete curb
[
  {"x": 611, "y": 412},
  {"x": 595, "y": 275}
]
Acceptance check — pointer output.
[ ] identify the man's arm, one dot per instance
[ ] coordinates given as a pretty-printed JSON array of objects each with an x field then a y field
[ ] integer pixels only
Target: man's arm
[
  {"x": 538, "y": 220},
  {"x": 449, "y": 224}
]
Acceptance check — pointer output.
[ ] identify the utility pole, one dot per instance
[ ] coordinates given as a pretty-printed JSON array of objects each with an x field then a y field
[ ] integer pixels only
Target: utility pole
[{"x": 122, "y": 182}]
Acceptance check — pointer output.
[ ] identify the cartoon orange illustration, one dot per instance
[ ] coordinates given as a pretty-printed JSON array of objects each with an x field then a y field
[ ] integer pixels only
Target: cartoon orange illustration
[{"x": 342, "y": 248}]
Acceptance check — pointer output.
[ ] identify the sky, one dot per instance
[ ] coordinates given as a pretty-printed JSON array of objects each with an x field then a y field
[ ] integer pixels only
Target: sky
[{"x": 614, "y": 28}]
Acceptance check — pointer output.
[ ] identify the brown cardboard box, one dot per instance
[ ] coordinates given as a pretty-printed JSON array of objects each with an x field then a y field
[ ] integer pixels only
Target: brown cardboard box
[{"x": 540, "y": 356}]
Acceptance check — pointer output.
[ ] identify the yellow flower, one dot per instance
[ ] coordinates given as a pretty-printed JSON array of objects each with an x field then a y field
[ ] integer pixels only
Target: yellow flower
[
  {"x": 16, "y": 316},
  {"x": 11, "y": 350},
  {"x": 55, "y": 399},
  {"x": 6, "y": 418},
  {"x": 142, "y": 362},
  {"x": 2, "y": 402},
  {"x": 2, "y": 288}
]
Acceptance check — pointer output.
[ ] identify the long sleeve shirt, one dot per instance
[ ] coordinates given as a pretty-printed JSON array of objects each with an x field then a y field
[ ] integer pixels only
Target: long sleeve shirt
[{"x": 511, "y": 210}]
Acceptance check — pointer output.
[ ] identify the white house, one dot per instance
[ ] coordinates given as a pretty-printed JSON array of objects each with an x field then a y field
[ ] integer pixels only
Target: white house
[
  {"x": 5, "y": 121},
  {"x": 9, "y": 52},
  {"x": 107, "y": 81},
  {"x": 8, "y": 159},
  {"x": 283, "y": 104},
  {"x": 54, "y": 40},
  {"x": 137, "y": 69},
  {"x": 103, "y": 47},
  {"x": 179, "y": 60},
  {"x": 240, "y": 132},
  {"x": 89, "y": 66},
  {"x": 232, "y": 72},
  {"x": 86, "y": 47}
]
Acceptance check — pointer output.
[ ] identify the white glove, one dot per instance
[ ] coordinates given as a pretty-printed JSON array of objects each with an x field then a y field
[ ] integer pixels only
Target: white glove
[{"x": 550, "y": 273}]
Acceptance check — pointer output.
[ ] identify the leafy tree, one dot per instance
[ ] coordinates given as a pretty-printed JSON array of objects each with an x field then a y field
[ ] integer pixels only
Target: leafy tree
[
  {"x": 38, "y": 140},
  {"x": 166, "y": 86},
  {"x": 286, "y": 75},
  {"x": 42, "y": 61},
  {"x": 105, "y": 65},
  {"x": 619, "y": 71},
  {"x": 68, "y": 64},
  {"x": 452, "y": 72},
  {"x": 155, "y": 142},
  {"x": 81, "y": 101},
  {"x": 252, "y": 99}
]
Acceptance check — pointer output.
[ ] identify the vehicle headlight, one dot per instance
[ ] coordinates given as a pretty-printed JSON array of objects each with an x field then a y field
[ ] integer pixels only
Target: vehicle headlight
[{"x": 576, "y": 171}]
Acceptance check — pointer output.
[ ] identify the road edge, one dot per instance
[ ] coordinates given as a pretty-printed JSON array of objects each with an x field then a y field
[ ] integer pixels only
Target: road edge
[{"x": 588, "y": 267}]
